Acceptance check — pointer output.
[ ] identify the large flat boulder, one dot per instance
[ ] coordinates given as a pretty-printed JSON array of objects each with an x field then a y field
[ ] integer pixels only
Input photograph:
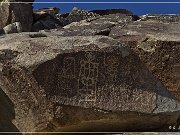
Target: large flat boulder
[{"x": 96, "y": 75}]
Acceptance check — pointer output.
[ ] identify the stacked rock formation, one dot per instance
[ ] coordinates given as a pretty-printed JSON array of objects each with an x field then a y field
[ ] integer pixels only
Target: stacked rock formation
[{"x": 106, "y": 70}]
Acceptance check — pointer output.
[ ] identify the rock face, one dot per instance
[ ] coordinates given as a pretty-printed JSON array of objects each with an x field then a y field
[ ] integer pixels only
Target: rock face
[
  {"x": 102, "y": 72},
  {"x": 89, "y": 72},
  {"x": 99, "y": 26},
  {"x": 16, "y": 12},
  {"x": 157, "y": 49}
]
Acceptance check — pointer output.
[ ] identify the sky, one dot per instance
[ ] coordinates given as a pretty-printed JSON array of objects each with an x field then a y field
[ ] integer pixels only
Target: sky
[{"x": 138, "y": 9}]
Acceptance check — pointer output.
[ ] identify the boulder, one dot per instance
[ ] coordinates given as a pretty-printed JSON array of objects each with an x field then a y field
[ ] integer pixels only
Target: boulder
[
  {"x": 157, "y": 44},
  {"x": 16, "y": 12},
  {"x": 96, "y": 78},
  {"x": 46, "y": 19},
  {"x": 77, "y": 15},
  {"x": 48, "y": 22},
  {"x": 101, "y": 25}
]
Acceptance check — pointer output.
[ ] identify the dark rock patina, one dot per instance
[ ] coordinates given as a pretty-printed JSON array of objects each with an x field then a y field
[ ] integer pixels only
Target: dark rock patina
[
  {"x": 95, "y": 72},
  {"x": 16, "y": 12}
]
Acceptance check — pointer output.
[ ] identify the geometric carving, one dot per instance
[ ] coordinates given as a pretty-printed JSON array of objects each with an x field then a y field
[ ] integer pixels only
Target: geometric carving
[
  {"x": 112, "y": 64},
  {"x": 96, "y": 79},
  {"x": 88, "y": 77},
  {"x": 68, "y": 67},
  {"x": 66, "y": 79}
]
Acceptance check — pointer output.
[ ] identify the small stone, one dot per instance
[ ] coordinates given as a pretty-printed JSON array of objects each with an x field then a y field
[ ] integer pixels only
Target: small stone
[{"x": 13, "y": 28}]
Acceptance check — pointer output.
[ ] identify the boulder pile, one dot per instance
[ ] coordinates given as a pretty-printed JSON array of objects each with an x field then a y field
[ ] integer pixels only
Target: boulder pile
[{"x": 99, "y": 70}]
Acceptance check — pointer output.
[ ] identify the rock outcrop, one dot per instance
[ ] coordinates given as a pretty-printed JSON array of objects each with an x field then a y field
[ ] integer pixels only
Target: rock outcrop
[{"x": 102, "y": 70}]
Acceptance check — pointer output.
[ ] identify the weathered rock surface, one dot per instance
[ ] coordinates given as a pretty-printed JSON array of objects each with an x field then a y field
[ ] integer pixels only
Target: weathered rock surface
[
  {"x": 95, "y": 26},
  {"x": 137, "y": 34},
  {"x": 95, "y": 71},
  {"x": 44, "y": 73},
  {"x": 77, "y": 15},
  {"x": 46, "y": 19},
  {"x": 47, "y": 22},
  {"x": 157, "y": 44},
  {"x": 16, "y": 12},
  {"x": 49, "y": 18}
]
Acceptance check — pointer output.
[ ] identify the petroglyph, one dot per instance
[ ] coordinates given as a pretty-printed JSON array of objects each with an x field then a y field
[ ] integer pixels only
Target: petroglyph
[
  {"x": 125, "y": 98},
  {"x": 66, "y": 78},
  {"x": 69, "y": 67},
  {"x": 111, "y": 64},
  {"x": 88, "y": 77},
  {"x": 99, "y": 79}
]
